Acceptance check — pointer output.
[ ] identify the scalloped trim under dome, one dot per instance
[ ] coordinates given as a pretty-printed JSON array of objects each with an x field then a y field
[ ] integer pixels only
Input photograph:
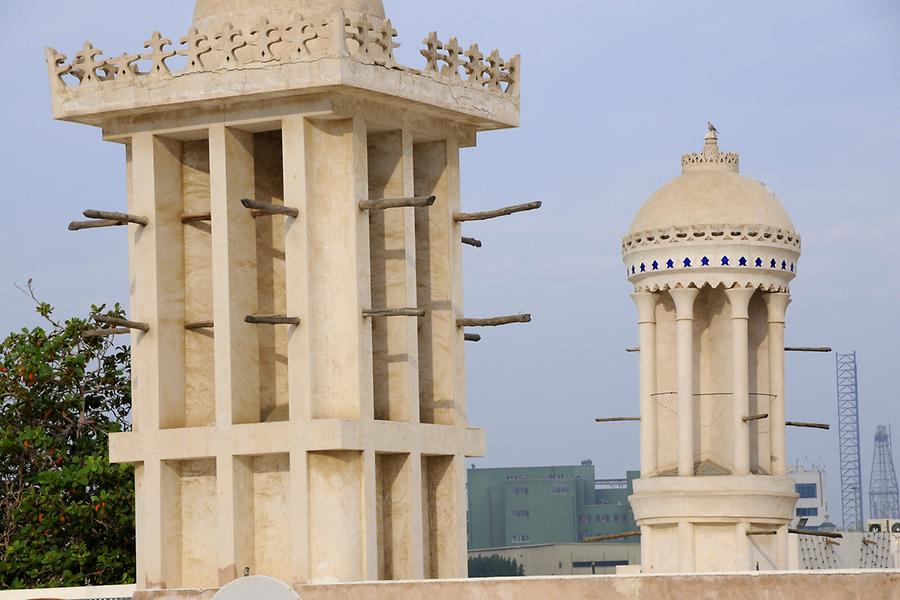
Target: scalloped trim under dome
[
  {"x": 733, "y": 233},
  {"x": 726, "y": 283}
]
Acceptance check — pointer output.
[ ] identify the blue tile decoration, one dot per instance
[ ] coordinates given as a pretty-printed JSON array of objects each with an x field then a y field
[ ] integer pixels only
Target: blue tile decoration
[
  {"x": 773, "y": 264},
  {"x": 784, "y": 265},
  {"x": 704, "y": 261},
  {"x": 670, "y": 264},
  {"x": 643, "y": 267},
  {"x": 743, "y": 261},
  {"x": 687, "y": 262},
  {"x": 725, "y": 261},
  {"x": 759, "y": 262},
  {"x": 655, "y": 265},
  {"x": 633, "y": 270}
]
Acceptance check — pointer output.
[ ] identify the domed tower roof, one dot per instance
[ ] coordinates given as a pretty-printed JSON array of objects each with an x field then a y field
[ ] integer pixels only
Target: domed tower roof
[
  {"x": 210, "y": 14},
  {"x": 711, "y": 226}
]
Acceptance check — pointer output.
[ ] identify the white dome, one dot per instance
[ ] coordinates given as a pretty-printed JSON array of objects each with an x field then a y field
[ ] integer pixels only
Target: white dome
[{"x": 709, "y": 197}]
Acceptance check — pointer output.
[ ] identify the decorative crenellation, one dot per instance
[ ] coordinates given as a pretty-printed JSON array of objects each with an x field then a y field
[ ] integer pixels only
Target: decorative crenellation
[
  {"x": 711, "y": 233},
  {"x": 705, "y": 158},
  {"x": 445, "y": 61},
  {"x": 365, "y": 40}
]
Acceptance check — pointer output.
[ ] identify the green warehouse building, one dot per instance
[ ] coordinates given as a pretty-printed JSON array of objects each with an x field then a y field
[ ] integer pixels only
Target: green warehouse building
[{"x": 545, "y": 505}]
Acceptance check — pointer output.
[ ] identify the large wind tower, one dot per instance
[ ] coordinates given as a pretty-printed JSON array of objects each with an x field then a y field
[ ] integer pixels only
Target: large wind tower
[{"x": 294, "y": 222}]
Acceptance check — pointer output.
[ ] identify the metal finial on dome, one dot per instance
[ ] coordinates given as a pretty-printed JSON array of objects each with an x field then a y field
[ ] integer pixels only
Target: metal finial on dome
[{"x": 711, "y": 141}]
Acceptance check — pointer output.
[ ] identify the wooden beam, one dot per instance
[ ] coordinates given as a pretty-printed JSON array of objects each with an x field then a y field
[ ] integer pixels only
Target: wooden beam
[
  {"x": 270, "y": 209},
  {"x": 117, "y": 322},
  {"x": 826, "y": 534},
  {"x": 271, "y": 320},
  {"x": 612, "y": 536},
  {"x": 385, "y": 203},
  {"x": 469, "y": 241},
  {"x": 822, "y": 349},
  {"x": 393, "y": 312},
  {"x": 96, "y": 224},
  {"x": 472, "y": 337},
  {"x": 196, "y": 218},
  {"x": 198, "y": 325},
  {"x": 631, "y": 350},
  {"x": 493, "y": 214},
  {"x": 494, "y": 321},
  {"x": 616, "y": 419},
  {"x": 105, "y": 332},
  {"x": 756, "y": 418},
  {"x": 763, "y": 532},
  {"x": 116, "y": 216},
  {"x": 824, "y": 426}
]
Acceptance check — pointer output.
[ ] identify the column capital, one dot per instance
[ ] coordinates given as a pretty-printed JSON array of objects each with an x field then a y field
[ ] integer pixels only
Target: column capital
[
  {"x": 739, "y": 299},
  {"x": 646, "y": 304},
  {"x": 777, "y": 304},
  {"x": 684, "y": 302}
]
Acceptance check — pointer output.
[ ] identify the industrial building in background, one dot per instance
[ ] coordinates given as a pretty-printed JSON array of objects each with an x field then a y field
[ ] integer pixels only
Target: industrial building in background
[
  {"x": 545, "y": 505},
  {"x": 848, "y": 440},
  {"x": 812, "y": 504},
  {"x": 884, "y": 498}
]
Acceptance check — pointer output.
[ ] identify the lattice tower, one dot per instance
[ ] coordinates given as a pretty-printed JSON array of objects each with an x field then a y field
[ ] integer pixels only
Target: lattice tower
[
  {"x": 848, "y": 439},
  {"x": 884, "y": 498}
]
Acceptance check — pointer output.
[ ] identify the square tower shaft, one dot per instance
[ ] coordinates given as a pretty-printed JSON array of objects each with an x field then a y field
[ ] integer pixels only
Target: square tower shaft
[{"x": 299, "y": 395}]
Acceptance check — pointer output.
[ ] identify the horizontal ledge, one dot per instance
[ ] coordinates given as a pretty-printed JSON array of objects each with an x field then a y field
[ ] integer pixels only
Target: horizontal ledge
[
  {"x": 472, "y": 337},
  {"x": 116, "y": 216},
  {"x": 616, "y": 419},
  {"x": 755, "y": 418},
  {"x": 470, "y": 241},
  {"x": 196, "y": 218},
  {"x": 394, "y": 312},
  {"x": 91, "y": 333},
  {"x": 270, "y": 209},
  {"x": 612, "y": 536},
  {"x": 494, "y": 321},
  {"x": 271, "y": 320},
  {"x": 493, "y": 214},
  {"x": 199, "y": 325},
  {"x": 117, "y": 322},
  {"x": 96, "y": 224},
  {"x": 716, "y": 394},
  {"x": 822, "y": 349},
  {"x": 385, "y": 203},
  {"x": 826, "y": 534},
  {"x": 824, "y": 426}
]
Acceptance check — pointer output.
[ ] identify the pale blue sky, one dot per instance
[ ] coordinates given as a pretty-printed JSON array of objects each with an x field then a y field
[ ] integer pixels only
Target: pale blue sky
[{"x": 613, "y": 93}]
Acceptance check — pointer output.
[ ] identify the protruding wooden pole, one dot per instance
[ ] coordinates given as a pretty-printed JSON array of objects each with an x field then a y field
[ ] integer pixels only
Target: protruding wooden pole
[
  {"x": 117, "y": 322},
  {"x": 472, "y": 337},
  {"x": 469, "y": 241},
  {"x": 386, "y": 203},
  {"x": 756, "y": 418},
  {"x": 271, "y": 320},
  {"x": 105, "y": 332},
  {"x": 820, "y": 349},
  {"x": 199, "y": 325},
  {"x": 494, "y": 322},
  {"x": 612, "y": 536},
  {"x": 96, "y": 224},
  {"x": 763, "y": 532},
  {"x": 116, "y": 216},
  {"x": 616, "y": 419},
  {"x": 393, "y": 312},
  {"x": 196, "y": 218},
  {"x": 270, "y": 209},
  {"x": 824, "y": 426},
  {"x": 493, "y": 214},
  {"x": 826, "y": 534}
]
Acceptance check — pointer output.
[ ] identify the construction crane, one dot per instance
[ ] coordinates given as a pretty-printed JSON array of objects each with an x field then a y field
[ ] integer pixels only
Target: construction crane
[
  {"x": 848, "y": 439},
  {"x": 884, "y": 497}
]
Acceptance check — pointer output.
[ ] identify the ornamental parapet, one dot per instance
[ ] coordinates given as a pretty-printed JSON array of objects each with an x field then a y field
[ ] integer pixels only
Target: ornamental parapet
[
  {"x": 267, "y": 45},
  {"x": 753, "y": 234}
]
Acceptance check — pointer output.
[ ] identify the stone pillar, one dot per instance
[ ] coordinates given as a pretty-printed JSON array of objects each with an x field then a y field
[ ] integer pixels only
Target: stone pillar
[
  {"x": 777, "y": 304},
  {"x": 646, "y": 305},
  {"x": 739, "y": 299},
  {"x": 684, "y": 316},
  {"x": 234, "y": 276}
]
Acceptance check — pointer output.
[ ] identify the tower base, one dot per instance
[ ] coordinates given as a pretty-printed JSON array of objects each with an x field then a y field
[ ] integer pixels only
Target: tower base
[{"x": 692, "y": 524}]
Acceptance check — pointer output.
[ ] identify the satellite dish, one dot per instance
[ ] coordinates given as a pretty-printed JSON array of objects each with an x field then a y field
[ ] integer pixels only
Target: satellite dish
[{"x": 256, "y": 587}]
